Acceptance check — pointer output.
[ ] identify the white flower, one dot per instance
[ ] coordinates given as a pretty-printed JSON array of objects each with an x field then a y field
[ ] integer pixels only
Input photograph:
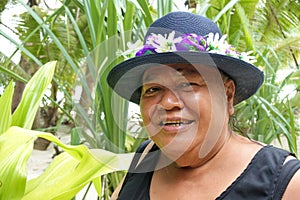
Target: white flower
[
  {"x": 163, "y": 43},
  {"x": 213, "y": 44},
  {"x": 135, "y": 45},
  {"x": 217, "y": 44},
  {"x": 245, "y": 56},
  {"x": 132, "y": 47}
]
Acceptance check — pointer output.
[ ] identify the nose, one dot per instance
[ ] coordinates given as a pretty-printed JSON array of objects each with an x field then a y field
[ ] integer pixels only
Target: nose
[{"x": 170, "y": 101}]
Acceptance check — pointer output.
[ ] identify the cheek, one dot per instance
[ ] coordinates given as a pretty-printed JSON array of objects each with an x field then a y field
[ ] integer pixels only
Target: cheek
[
  {"x": 146, "y": 109},
  {"x": 148, "y": 112},
  {"x": 198, "y": 103}
]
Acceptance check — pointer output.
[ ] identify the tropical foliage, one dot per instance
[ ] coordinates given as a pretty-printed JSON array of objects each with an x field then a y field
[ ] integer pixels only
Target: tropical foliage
[
  {"x": 16, "y": 142},
  {"x": 88, "y": 37}
]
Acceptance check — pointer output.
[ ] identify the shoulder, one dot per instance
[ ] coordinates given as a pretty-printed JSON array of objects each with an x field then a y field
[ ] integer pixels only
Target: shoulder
[{"x": 292, "y": 191}]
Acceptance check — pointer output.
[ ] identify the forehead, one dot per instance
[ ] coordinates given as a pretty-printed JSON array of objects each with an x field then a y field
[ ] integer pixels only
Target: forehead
[{"x": 178, "y": 70}]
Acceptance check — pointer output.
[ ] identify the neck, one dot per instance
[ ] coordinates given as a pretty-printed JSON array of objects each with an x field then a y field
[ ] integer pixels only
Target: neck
[{"x": 201, "y": 157}]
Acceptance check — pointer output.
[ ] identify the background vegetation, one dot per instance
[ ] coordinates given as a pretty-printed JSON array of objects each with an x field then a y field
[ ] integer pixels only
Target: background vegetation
[{"x": 88, "y": 37}]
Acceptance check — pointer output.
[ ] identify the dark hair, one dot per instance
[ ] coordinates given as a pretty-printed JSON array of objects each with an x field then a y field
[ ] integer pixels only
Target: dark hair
[{"x": 233, "y": 122}]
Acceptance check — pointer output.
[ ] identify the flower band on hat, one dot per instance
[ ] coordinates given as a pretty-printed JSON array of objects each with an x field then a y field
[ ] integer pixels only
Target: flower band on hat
[{"x": 212, "y": 43}]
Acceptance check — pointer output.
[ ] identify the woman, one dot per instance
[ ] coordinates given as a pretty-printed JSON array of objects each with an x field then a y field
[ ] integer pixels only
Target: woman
[{"x": 187, "y": 79}]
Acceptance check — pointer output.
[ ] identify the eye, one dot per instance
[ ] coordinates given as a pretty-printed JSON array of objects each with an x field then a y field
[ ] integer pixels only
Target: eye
[
  {"x": 190, "y": 86},
  {"x": 150, "y": 90},
  {"x": 186, "y": 86}
]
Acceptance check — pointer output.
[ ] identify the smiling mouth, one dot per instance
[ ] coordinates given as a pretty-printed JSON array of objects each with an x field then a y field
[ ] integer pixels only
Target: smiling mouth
[{"x": 175, "y": 123}]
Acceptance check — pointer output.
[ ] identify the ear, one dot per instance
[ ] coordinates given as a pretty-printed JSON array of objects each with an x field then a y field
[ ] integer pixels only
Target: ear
[{"x": 230, "y": 90}]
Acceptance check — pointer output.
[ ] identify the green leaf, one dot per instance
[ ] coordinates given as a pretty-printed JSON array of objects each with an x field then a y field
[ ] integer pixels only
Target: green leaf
[
  {"x": 146, "y": 12},
  {"x": 245, "y": 26},
  {"x": 12, "y": 74},
  {"x": 112, "y": 19},
  {"x": 33, "y": 94},
  {"x": 5, "y": 102},
  {"x": 67, "y": 174},
  {"x": 15, "y": 148},
  {"x": 228, "y": 6},
  {"x": 21, "y": 47},
  {"x": 98, "y": 185},
  {"x": 70, "y": 171}
]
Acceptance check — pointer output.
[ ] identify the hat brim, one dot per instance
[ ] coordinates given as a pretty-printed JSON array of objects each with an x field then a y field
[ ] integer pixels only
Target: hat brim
[{"x": 126, "y": 78}]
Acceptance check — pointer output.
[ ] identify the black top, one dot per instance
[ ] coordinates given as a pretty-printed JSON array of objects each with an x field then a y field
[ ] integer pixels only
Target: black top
[{"x": 264, "y": 178}]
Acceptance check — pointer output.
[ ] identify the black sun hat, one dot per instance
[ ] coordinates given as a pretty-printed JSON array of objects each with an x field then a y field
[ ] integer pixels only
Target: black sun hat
[{"x": 183, "y": 37}]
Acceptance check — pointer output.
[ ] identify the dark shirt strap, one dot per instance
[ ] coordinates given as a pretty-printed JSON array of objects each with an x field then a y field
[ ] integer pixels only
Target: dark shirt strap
[{"x": 288, "y": 171}]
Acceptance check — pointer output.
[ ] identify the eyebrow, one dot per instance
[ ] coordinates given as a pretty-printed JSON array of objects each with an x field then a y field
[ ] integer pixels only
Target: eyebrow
[
  {"x": 185, "y": 71},
  {"x": 148, "y": 78}
]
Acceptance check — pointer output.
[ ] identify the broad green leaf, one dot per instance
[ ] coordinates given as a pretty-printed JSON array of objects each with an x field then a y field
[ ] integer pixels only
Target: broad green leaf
[
  {"x": 5, "y": 103},
  {"x": 32, "y": 96},
  {"x": 72, "y": 170},
  {"x": 15, "y": 148},
  {"x": 67, "y": 174}
]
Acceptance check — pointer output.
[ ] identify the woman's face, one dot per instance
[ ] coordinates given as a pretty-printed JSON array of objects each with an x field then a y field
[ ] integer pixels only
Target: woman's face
[{"x": 177, "y": 109}]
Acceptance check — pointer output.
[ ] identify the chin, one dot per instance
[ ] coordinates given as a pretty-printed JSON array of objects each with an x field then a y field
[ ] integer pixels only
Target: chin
[{"x": 175, "y": 150}]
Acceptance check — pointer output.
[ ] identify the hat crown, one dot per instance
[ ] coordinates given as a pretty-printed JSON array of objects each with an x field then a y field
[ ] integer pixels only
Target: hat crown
[{"x": 183, "y": 23}]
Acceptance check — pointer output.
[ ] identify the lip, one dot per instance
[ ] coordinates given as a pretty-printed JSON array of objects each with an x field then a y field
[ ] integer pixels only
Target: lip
[{"x": 175, "y": 124}]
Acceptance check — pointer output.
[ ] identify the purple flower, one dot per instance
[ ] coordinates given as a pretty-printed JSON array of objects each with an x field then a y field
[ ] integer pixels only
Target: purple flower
[
  {"x": 191, "y": 42},
  {"x": 202, "y": 41},
  {"x": 157, "y": 43},
  {"x": 181, "y": 47},
  {"x": 147, "y": 49}
]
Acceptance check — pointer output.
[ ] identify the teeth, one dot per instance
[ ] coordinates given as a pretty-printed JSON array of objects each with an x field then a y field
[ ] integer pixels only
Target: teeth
[{"x": 174, "y": 123}]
